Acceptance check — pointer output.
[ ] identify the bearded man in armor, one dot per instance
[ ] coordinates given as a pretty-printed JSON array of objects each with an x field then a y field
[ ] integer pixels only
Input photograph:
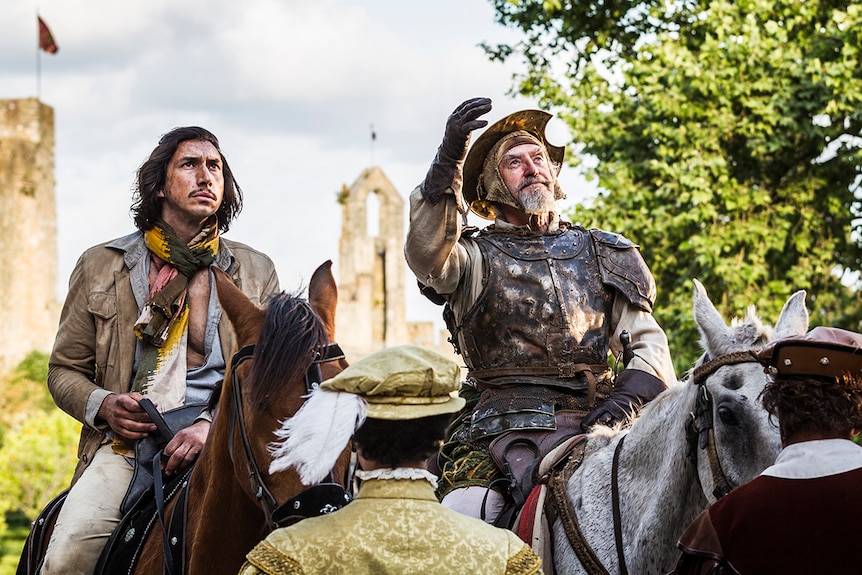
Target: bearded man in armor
[{"x": 534, "y": 306}]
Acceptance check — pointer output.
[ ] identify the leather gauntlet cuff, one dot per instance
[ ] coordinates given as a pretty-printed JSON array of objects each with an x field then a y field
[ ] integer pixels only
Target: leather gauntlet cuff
[
  {"x": 443, "y": 174},
  {"x": 632, "y": 389},
  {"x": 637, "y": 384}
]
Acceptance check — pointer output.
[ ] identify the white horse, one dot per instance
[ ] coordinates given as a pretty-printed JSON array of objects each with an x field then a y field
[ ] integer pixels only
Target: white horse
[{"x": 660, "y": 490}]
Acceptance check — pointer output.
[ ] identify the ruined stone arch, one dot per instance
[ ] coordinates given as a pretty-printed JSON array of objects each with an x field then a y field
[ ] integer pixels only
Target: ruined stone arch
[{"x": 371, "y": 308}]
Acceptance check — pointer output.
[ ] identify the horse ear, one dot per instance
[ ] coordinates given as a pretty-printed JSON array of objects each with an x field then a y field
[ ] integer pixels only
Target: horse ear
[
  {"x": 323, "y": 296},
  {"x": 793, "y": 319},
  {"x": 245, "y": 317},
  {"x": 714, "y": 331}
]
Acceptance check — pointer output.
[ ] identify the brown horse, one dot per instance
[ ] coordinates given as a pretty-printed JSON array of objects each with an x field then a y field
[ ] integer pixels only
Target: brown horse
[
  {"x": 225, "y": 516},
  {"x": 231, "y": 500}
]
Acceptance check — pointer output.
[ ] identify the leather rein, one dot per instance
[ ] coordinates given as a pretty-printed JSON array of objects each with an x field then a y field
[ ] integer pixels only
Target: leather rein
[
  {"x": 313, "y": 377},
  {"x": 699, "y": 433},
  {"x": 565, "y": 509},
  {"x": 700, "y": 429}
]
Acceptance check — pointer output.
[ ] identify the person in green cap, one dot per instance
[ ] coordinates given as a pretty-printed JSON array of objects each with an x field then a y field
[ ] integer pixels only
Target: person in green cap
[{"x": 396, "y": 405}]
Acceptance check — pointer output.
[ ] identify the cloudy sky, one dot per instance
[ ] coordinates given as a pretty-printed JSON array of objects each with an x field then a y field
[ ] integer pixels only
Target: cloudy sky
[{"x": 290, "y": 87}]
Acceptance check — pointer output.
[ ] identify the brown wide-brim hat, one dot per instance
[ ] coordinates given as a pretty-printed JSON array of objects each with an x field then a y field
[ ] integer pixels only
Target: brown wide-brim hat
[
  {"x": 531, "y": 121},
  {"x": 824, "y": 352}
]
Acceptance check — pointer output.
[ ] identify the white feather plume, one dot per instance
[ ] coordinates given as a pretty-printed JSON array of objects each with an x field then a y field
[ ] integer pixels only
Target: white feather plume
[{"x": 313, "y": 438}]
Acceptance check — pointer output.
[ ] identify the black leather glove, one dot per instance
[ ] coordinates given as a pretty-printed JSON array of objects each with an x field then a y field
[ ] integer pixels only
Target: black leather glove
[
  {"x": 445, "y": 170},
  {"x": 632, "y": 389}
]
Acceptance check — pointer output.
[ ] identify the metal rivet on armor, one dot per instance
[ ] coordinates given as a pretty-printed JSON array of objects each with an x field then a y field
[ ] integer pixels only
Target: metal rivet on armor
[
  {"x": 296, "y": 504},
  {"x": 564, "y": 251},
  {"x": 173, "y": 540},
  {"x": 129, "y": 534},
  {"x": 788, "y": 362},
  {"x": 824, "y": 361},
  {"x": 41, "y": 520}
]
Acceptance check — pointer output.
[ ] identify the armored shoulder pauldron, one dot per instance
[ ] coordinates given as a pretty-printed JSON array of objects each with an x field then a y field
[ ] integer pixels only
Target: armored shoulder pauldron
[{"x": 623, "y": 267}]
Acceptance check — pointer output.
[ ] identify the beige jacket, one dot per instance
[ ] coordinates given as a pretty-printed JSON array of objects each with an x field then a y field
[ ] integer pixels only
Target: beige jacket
[{"x": 94, "y": 350}]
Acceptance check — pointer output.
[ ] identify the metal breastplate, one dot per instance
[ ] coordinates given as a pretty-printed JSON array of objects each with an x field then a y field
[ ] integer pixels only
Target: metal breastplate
[{"x": 543, "y": 314}]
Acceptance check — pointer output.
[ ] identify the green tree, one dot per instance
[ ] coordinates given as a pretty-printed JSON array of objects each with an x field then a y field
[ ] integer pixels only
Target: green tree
[
  {"x": 37, "y": 460},
  {"x": 24, "y": 391},
  {"x": 37, "y": 452},
  {"x": 726, "y": 140}
]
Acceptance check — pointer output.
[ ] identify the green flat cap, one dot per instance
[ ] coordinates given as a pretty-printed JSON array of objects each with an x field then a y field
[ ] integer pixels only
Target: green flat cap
[{"x": 402, "y": 382}]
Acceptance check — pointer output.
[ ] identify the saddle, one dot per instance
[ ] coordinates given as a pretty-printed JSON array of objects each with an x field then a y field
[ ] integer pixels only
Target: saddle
[
  {"x": 518, "y": 455},
  {"x": 534, "y": 522},
  {"x": 124, "y": 547},
  {"x": 33, "y": 552},
  {"x": 135, "y": 504}
]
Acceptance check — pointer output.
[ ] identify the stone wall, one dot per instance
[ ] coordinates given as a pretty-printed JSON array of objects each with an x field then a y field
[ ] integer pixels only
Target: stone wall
[
  {"x": 372, "y": 274},
  {"x": 370, "y": 313},
  {"x": 28, "y": 230}
]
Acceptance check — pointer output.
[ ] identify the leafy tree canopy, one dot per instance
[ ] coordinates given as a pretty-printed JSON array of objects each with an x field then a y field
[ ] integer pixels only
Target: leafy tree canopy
[
  {"x": 37, "y": 450},
  {"x": 24, "y": 390},
  {"x": 37, "y": 461},
  {"x": 726, "y": 135}
]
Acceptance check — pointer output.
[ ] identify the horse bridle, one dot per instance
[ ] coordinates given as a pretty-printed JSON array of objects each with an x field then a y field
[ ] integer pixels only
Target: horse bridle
[
  {"x": 313, "y": 376},
  {"x": 699, "y": 428}
]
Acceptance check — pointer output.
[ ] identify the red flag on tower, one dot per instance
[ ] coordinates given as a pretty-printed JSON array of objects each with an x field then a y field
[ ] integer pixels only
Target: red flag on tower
[{"x": 46, "y": 40}]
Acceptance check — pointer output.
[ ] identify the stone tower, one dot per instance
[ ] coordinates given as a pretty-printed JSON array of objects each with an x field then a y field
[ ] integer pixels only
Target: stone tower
[
  {"x": 28, "y": 230},
  {"x": 371, "y": 305}
]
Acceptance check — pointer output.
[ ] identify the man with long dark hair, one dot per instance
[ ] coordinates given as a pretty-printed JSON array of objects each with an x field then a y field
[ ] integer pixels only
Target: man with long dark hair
[
  {"x": 142, "y": 320},
  {"x": 800, "y": 515}
]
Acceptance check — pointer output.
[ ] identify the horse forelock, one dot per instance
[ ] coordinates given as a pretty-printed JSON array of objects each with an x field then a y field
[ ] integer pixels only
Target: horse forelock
[
  {"x": 741, "y": 335},
  {"x": 291, "y": 334}
]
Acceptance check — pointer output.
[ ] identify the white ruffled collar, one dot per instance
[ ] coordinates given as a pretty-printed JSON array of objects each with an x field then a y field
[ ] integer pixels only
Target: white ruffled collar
[{"x": 403, "y": 473}]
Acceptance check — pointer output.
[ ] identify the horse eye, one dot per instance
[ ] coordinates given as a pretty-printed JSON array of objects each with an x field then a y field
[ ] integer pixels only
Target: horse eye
[{"x": 727, "y": 416}]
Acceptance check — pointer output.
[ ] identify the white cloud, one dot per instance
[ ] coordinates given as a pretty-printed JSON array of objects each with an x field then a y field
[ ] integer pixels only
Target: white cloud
[{"x": 290, "y": 87}]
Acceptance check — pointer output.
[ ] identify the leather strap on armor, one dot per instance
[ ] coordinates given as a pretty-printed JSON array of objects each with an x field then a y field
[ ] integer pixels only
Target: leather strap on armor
[
  {"x": 562, "y": 371},
  {"x": 542, "y": 308}
]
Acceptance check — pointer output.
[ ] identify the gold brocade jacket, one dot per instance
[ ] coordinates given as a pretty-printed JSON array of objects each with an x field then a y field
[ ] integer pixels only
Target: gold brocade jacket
[{"x": 392, "y": 527}]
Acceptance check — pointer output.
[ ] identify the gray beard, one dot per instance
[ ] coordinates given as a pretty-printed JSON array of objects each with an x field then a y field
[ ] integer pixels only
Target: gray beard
[{"x": 538, "y": 200}]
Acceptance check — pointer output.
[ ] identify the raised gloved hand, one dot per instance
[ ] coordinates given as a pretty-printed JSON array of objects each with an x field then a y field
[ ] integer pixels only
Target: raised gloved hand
[
  {"x": 445, "y": 170},
  {"x": 632, "y": 389}
]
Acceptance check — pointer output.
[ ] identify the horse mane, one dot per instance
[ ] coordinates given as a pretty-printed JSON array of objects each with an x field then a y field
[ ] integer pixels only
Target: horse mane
[{"x": 290, "y": 337}]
